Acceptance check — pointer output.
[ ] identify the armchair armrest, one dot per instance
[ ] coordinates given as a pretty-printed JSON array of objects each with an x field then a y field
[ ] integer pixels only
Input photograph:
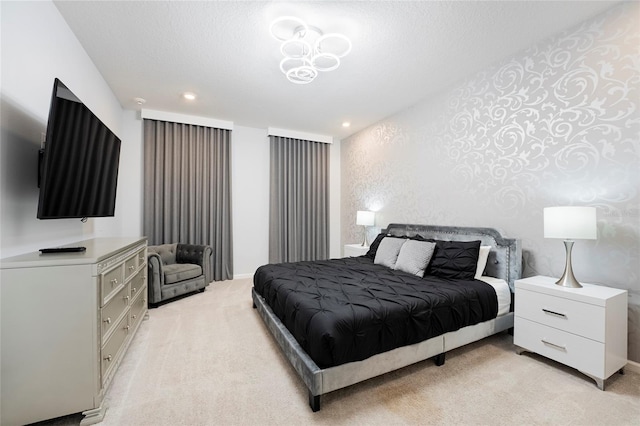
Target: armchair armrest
[
  {"x": 199, "y": 255},
  {"x": 155, "y": 277}
]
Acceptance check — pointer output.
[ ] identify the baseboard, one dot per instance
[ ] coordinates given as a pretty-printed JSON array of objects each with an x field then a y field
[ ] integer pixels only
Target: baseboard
[
  {"x": 242, "y": 276},
  {"x": 633, "y": 366}
]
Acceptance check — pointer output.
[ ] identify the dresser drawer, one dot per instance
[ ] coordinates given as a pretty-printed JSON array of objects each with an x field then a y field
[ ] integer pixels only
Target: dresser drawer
[
  {"x": 142, "y": 256},
  {"x": 578, "y": 352},
  {"x": 138, "y": 307},
  {"x": 112, "y": 311},
  {"x": 111, "y": 282},
  {"x": 575, "y": 317},
  {"x": 138, "y": 282},
  {"x": 113, "y": 347},
  {"x": 130, "y": 266}
]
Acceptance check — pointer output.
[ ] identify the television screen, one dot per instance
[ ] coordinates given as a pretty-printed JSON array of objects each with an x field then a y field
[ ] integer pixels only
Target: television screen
[{"x": 78, "y": 170}]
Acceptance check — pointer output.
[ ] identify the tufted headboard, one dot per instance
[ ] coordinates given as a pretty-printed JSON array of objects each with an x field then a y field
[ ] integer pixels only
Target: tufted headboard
[{"x": 505, "y": 257}]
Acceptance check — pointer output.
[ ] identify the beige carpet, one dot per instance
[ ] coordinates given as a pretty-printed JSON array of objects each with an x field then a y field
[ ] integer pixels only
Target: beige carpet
[{"x": 207, "y": 359}]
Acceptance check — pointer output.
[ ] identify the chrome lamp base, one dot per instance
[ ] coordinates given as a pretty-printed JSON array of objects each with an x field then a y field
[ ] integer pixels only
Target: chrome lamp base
[
  {"x": 568, "y": 279},
  {"x": 364, "y": 241}
]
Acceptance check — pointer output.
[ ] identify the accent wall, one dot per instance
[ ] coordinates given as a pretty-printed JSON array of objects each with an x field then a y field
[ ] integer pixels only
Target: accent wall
[{"x": 557, "y": 124}]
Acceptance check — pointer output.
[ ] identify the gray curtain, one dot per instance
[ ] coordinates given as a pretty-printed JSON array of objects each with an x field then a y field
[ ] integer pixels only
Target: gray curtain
[
  {"x": 299, "y": 200},
  {"x": 187, "y": 189}
]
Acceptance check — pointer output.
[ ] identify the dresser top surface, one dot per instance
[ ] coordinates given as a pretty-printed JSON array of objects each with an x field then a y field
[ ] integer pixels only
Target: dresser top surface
[
  {"x": 589, "y": 293},
  {"x": 97, "y": 249}
]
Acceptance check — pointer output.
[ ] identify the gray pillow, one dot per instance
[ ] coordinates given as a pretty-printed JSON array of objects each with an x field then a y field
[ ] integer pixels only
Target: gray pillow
[
  {"x": 414, "y": 257},
  {"x": 388, "y": 251}
]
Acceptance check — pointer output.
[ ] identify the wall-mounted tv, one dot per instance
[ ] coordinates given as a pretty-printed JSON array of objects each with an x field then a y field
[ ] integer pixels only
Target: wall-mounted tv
[{"x": 78, "y": 166}]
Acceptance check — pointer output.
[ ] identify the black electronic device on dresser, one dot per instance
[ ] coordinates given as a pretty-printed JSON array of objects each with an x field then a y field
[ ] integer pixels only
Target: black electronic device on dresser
[{"x": 78, "y": 166}]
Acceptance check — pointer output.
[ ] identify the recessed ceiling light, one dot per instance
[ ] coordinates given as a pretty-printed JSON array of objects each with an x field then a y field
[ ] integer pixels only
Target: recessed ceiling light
[
  {"x": 189, "y": 96},
  {"x": 346, "y": 124}
]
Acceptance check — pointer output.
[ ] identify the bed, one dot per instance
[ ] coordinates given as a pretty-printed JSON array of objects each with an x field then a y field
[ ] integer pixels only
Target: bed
[{"x": 302, "y": 303}]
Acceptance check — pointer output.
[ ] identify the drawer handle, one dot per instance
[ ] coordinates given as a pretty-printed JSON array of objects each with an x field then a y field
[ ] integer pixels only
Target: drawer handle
[
  {"x": 554, "y": 313},
  {"x": 108, "y": 320},
  {"x": 563, "y": 348},
  {"x": 131, "y": 268},
  {"x": 133, "y": 316},
  {"x": 114, "y": 281},
  {"x": 126, "y": 328},
  {"x": 133, "y": 290},
  {"x": 126, "y": 298},
  {"x": 108, "y": 358}
]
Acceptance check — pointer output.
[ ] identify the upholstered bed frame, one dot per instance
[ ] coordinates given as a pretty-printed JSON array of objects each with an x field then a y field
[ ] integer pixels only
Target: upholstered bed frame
[{"x": 505, "y": 259}]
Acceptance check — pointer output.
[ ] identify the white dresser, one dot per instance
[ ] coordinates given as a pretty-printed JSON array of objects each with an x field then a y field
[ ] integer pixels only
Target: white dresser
[
  {"x": 66, "y": 322},
  {"x": 584, "y": 328},
  {"x": 353, "y": 250}
]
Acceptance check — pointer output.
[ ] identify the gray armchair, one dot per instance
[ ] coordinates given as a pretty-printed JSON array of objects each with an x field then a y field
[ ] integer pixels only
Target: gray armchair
[{"x": 177, "y": 269}]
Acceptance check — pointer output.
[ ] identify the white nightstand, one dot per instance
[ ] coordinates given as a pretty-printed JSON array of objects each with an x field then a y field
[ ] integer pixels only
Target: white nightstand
[
  {"x": 352, "y": 250},
  {"x": 584, "y": 328}
]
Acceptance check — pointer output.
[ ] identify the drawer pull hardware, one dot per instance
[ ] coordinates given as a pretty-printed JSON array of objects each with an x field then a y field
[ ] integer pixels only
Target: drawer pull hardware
[
  {"x": 131, "y": 268},
  {"x": 114, "y": 281},
  {"x": 554, "y": 345},
  {"x": 554, "y": 313},
  {"x": 108, "y": 358},
  {"x": 133, "y": 316},
  {"x": 126, "y": 328},
  {"x": 126, "y": 298},
  {"x": 108, "y": 320},
  {"x": 133, "y": 290}
]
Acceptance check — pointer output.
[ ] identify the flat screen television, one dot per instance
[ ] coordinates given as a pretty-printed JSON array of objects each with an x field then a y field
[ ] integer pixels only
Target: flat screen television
[{"x": 78, "y": 166}]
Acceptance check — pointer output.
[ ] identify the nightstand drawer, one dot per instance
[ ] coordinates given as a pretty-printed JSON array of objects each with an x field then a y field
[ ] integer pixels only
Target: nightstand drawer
[
  {"x": 578, "y": 352},
  {"x": 575, "y": 317}
]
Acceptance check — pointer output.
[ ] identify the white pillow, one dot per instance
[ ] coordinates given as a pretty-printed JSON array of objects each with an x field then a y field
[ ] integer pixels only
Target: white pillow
[
  {"x": 388, "y": 251},
  {"x": 415, "y": 256},
  {"x": 482, "y": 260}
]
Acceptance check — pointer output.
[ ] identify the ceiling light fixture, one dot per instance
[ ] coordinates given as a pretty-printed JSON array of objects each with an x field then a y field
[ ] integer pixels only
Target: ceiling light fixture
[
  {"x": 189, "y": 96},
  {"x": 306, "y": 49},
  {"x": 346, "y": 124}
]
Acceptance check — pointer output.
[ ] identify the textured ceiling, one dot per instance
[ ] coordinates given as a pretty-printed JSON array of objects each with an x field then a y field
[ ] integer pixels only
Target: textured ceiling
[{"x": 222, "y": 51}]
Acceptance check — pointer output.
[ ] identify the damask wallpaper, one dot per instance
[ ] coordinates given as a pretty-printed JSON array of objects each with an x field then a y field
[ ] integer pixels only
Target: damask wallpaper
[{"x": 557, "y": 124}]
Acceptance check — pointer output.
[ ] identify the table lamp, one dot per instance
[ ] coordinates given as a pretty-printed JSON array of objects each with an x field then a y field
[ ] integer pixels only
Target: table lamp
[
  {"x": 365, "y": 218},
  {"x": 570, "y": 223}
]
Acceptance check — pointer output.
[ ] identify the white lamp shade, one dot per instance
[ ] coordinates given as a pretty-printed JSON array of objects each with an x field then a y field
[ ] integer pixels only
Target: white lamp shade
[
  {"x": 571, "y": 222},
  {"x": 365, "y": 218}
]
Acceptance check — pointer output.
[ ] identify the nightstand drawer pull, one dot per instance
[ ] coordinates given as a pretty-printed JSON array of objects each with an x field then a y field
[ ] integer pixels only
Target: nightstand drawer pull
[
  {"x": 563, "y": 348},
  {"x": 553, "y": 313}
]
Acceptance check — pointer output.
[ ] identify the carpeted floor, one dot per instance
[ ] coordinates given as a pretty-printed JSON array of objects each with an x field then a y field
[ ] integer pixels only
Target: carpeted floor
[{"x": 207, "y": 359}]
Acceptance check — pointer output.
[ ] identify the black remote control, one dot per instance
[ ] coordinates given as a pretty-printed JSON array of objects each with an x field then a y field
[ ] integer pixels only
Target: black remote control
[{"x": 63, "y": 250}]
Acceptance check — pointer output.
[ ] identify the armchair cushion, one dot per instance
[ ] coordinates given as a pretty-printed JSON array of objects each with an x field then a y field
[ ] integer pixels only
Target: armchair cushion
[{"x": 180, "y": 272}]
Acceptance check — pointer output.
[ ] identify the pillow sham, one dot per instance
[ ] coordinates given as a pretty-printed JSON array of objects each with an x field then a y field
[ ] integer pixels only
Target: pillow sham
[
  {"x": 414, "y": 257},
  {"x": 455, "y": 259},
  {"x": 388, "y": 250},
  {"x": 482, "y": 260}
]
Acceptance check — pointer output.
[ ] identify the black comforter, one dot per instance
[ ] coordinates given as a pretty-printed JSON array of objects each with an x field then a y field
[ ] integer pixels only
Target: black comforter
[{"x": 344, "y": 310}]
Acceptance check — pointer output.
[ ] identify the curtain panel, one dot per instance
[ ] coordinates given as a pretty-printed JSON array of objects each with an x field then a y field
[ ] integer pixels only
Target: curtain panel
[
  {"x": 299, "y": 200},
  {"x": 187, "y": 189}
]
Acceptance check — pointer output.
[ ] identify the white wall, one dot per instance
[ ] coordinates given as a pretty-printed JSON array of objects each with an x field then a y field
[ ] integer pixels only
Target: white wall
[
  {"x": 131, "y": 175},
  {"x": 37, "y": 46},
  {"x": 250, "y": 199}
]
